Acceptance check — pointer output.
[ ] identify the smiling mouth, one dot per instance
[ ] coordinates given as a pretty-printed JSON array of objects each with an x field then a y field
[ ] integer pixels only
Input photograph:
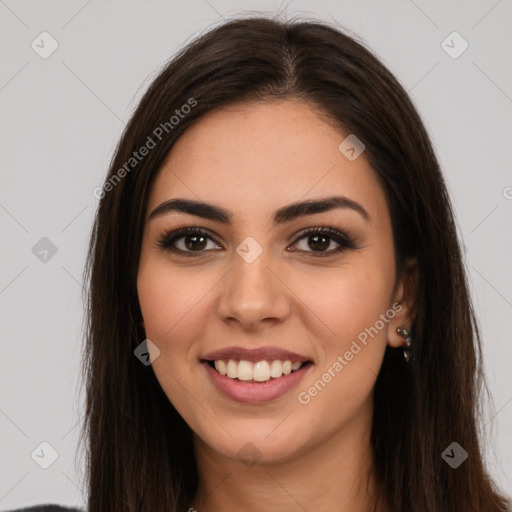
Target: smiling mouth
[{"x": 260, "y": 371}]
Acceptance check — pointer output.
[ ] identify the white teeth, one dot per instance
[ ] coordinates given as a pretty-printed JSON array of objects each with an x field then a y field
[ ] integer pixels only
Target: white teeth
[
  {"x": 231, "y": 369},
  {"x": 262, "y": 371},
  {"x": 276, "y": 369},
  {"x": 245, "y": 370},
  {"x": 220, "y": 366}
]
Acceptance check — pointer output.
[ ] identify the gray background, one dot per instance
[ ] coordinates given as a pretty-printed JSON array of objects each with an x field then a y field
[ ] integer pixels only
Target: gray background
[{"x": 62, "y": 116}]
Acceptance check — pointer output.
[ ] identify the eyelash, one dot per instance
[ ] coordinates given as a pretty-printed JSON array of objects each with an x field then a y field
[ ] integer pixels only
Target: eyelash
[{"x": 345, "y": 241}]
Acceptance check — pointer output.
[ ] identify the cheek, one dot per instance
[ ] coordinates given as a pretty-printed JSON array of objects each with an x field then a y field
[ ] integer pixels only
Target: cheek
[
  {"x": 171, "y": 302},
  {"x": 349, "y": 302},
  {"x": 345, "y": 300},
  {"x": 167, "y": 299}
]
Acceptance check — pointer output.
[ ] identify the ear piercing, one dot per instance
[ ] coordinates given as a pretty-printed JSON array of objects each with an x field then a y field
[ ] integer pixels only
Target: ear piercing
[{"x": 404, "y": 332}]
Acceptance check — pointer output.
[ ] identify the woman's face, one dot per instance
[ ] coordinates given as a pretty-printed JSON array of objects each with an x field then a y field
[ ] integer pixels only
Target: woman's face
[{"x": 254, "y": 286}]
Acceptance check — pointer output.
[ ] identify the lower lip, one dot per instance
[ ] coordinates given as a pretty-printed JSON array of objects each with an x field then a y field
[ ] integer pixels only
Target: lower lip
[{"x": 256, "y": 392}]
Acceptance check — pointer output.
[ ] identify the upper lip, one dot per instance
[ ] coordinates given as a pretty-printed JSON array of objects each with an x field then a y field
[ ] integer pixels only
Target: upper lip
[{"x": 254, "y": 354}]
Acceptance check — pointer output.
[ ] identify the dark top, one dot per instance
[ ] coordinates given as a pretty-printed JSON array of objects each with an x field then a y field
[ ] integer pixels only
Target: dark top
[{"x": 46, "y": 508}]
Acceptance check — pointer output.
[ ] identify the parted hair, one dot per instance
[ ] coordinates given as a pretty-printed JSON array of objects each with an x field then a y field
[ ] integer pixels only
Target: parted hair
[{"x": 139, "y": 450}]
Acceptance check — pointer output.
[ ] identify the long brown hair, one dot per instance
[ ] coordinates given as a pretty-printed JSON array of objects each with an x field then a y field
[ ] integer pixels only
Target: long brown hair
[{"x": 139, "y": 450}]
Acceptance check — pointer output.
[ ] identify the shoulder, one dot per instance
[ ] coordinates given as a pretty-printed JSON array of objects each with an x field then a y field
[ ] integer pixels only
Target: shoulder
[{"x": 46, "y": 508}]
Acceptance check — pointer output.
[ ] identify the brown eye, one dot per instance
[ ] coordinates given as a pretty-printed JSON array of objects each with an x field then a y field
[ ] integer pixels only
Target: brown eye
[
  {"x": 188, "y": 240},
  {"x": 317, "y": 240},
  {"x": 193, "y": 242}
]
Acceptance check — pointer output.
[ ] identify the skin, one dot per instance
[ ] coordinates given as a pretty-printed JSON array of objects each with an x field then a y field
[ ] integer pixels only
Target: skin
[{"x": 253, "y": 159}]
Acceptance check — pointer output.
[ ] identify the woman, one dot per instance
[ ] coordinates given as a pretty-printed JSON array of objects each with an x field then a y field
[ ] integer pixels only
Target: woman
[{"x": 279, "y": 317}]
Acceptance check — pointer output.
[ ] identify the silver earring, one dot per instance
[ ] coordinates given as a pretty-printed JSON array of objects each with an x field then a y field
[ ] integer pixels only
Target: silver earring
[{"x": 404, "y": 332}]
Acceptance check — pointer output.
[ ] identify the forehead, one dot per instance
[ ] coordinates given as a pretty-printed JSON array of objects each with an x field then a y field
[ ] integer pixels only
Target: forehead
[{"x": 254, "y": 158}]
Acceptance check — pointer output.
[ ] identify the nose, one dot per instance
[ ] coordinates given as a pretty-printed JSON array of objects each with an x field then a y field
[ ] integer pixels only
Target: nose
[{"x": 254, "y": 295}]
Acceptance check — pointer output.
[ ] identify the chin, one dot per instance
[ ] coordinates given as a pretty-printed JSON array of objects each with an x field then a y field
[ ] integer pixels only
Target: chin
[{"x": 265, "y": 445}]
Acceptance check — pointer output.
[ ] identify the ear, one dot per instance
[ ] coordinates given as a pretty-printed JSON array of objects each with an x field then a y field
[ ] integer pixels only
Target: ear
[{"x": 405, "y": 295}]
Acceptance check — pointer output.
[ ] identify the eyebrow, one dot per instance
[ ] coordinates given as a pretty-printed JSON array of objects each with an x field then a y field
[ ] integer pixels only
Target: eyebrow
[{"x": 284, "y": 214}]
